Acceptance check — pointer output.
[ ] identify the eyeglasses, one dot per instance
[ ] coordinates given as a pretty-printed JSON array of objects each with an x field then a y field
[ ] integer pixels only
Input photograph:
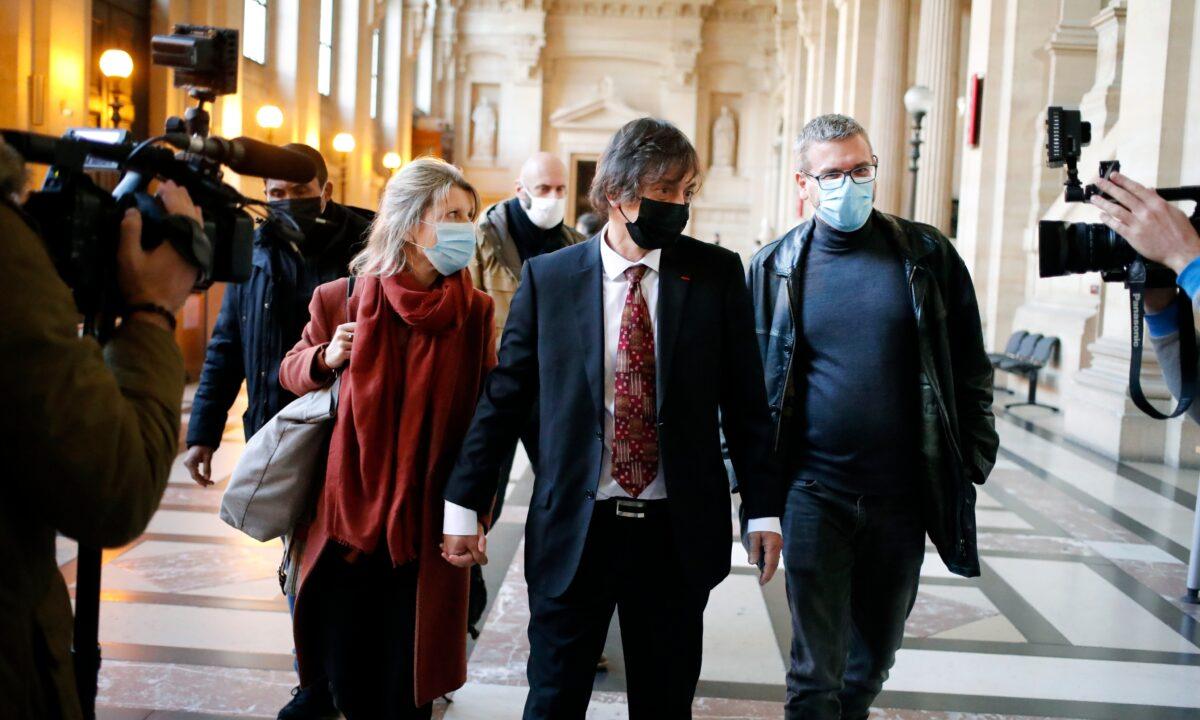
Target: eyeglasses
[{"x": 860, "y": 175}]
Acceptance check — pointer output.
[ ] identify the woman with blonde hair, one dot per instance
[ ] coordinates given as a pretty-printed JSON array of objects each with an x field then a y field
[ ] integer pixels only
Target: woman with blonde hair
[{"x": 377, "y": 610}]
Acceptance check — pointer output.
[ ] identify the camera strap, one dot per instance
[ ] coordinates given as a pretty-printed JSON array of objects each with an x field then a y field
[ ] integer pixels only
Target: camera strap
[{"x": 1187, "y": 345}]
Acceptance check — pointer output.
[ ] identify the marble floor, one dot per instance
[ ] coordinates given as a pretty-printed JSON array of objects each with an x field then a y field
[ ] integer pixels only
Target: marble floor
[{"x": 1076, "y": 614}]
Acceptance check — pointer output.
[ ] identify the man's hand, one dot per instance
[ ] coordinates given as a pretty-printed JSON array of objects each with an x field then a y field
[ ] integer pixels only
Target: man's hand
[
  {"x": 466, "y": 550},
  {"x": 1158, "y": 230},
  {"x": 160, "y": 276},
  {"x": 767, "y": 546},
  {"x": 198, "y": 461}
]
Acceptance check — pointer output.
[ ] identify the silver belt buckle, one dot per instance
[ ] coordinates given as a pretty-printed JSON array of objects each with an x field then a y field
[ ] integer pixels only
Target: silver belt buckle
[{"x": 631, "y": 508}]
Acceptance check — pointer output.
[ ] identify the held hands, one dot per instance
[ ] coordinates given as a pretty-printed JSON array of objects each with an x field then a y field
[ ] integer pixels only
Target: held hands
[
  {"x": 198, "y": 462},
  {"x": 466, "y": 550},
  {"x": 1158, "y": 230},
  {"x": 337, "y": 353},
  {"x": 765, "y": 547}
]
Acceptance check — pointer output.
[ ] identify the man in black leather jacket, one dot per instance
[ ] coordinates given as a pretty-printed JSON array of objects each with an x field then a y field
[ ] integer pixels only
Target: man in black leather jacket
[{"x": 881, "y": 394}]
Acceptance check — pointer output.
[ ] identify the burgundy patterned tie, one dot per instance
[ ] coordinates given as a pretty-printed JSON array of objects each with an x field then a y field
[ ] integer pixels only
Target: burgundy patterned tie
[{"x": 635, "y": 437}]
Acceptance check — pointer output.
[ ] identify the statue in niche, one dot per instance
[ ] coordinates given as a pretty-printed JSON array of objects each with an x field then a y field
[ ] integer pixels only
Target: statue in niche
[
  {"x": 724, "y": 140},
  {"x": 483, "y": 133}
]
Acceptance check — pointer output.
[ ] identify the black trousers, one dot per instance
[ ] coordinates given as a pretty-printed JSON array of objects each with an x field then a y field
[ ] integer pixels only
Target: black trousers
[
  {"x": 853, "y": 563},
  {"x": 630, "y": 565},
  {"x": 366, "y": 615}
]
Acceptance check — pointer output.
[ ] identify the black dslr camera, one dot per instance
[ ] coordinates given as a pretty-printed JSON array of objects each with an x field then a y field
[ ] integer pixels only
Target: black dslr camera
[
  {"x": 1066, "y": 248},
  {"x": 80, "y": 221}
]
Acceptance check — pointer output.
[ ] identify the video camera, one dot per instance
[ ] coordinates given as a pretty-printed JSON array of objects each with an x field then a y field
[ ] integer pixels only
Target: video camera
[
  {"x": 80, "y": 222},
  {"x": 80, "y": 225},
  {"x": 1066, "y": 248}
]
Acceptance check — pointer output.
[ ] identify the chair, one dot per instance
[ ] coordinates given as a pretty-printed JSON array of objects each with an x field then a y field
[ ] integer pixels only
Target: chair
[
  {"x": 1043, "y": 353},
  {"x": 1010, "y": 351}
]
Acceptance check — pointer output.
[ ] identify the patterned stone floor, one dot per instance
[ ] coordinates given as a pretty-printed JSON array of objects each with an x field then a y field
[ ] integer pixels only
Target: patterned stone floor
[{"x": 1076, "y": 614}]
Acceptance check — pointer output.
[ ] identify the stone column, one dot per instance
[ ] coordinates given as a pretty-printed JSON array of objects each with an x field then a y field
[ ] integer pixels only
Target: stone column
[
  {"x": 937, "y": 69},
  {"x": 413, "y": 33},
  {"x": 1149, "y": 142},
  {"x": 889, "y": 121}
]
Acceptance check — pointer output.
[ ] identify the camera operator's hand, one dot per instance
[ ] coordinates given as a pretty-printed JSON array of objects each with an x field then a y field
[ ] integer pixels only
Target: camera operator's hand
[
  {"x": 161, "y": 276},
  {"x": 1158, "y": 230},
  {"x": 337, "y": 352},
  {"x": 198, "y": 462},
  {"x": 1157, "y": 299}
]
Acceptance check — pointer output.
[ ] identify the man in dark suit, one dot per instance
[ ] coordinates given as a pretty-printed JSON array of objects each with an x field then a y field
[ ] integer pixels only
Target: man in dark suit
[{"x": 638, "y": 346}]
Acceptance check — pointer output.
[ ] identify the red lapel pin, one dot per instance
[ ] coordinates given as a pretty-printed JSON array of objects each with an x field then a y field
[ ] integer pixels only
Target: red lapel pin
[{"x": 685, "y": 278}]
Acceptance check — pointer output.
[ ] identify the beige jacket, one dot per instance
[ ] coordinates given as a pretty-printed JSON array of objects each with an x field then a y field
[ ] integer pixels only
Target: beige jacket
[{"x": 496, "y": 266}]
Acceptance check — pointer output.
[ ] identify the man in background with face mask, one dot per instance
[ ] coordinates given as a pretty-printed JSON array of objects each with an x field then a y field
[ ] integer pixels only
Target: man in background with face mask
[
  {"x": 526, "y": 225},
  {"x": 884, "y": 429},
  {"x": 636, "y": 347},
  {"x": 308, "y": 240}
]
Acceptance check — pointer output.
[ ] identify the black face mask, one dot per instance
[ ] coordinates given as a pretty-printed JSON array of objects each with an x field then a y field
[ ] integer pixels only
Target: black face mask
[
  {"x": 306, "y": 229},
  {"x": 659, "y": 224}
]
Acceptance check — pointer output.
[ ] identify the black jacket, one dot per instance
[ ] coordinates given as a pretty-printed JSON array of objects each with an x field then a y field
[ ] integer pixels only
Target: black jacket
[
  {"x": 552, "y": 352},
  {"x": 260, "y": 320},
  {"x": 957, "y": 429}
]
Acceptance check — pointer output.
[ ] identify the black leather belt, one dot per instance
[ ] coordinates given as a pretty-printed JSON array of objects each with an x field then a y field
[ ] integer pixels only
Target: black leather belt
[{"x": 634, "y": 509}]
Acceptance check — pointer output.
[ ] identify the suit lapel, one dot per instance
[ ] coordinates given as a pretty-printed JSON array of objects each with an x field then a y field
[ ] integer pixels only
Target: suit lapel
[
  {"x": 589, "y": 312},
  {"x": 673, "y": 282}
]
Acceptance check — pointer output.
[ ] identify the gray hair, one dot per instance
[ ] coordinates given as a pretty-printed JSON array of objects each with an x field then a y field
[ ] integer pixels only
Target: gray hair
[
  {"x": 418, "y": 186},
  {"x": 825, "y": 128}
]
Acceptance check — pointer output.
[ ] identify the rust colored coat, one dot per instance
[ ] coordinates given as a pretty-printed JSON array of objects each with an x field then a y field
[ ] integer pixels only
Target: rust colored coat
[{"x": 442, "y": 589}]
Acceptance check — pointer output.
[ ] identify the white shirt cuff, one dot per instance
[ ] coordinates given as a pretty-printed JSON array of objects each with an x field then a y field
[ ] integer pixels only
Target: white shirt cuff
[
  {"x": 459, "y": 520},
  {"x": 767, "y": 524}
]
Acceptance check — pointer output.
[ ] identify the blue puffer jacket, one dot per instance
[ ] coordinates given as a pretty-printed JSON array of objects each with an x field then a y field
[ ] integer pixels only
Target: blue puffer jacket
[{"x": 260, "y": 320}]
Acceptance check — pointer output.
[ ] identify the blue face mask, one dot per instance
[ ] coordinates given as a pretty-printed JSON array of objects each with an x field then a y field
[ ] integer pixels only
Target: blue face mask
[
  {"x": 455, "y": 244},
  {"x": 848, "y": 207}
]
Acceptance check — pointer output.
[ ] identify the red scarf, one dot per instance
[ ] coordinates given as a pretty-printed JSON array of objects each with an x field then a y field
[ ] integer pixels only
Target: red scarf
[{"x": 403, "y": 413}]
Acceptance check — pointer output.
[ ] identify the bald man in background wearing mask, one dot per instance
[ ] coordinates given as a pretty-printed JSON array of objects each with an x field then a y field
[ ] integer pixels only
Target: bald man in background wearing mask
[{"x": 526, "y": 225}]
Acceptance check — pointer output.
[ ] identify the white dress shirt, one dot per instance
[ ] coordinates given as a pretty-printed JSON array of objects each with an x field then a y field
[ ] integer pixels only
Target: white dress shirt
[{"x": 615, "y": 288}]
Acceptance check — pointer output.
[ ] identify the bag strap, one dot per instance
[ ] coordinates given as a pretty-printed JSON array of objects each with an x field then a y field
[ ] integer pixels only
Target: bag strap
[
  {"x": 1187, "y": 346},
  {"x": 337, "y": 374}
]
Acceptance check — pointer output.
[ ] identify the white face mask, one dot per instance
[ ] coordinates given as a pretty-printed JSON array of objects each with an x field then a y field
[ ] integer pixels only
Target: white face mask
[{"x": 546, "y": 212}]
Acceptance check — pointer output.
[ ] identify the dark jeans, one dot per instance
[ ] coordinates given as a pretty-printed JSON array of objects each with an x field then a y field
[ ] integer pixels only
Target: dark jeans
[
  {"x": 853, "y": 563},
  {"x": 630, "y": 565},
  {"x": 366, "y": 615}
]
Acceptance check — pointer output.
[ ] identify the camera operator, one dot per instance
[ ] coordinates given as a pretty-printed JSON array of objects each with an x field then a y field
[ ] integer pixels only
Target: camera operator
[
  {"x": 89, "y": 434},
  {"x": 1160, "y": 232}
]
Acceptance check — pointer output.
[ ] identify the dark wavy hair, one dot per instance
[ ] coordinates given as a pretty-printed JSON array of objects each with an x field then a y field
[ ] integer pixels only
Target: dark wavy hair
[{"x": 644, "y": 152}]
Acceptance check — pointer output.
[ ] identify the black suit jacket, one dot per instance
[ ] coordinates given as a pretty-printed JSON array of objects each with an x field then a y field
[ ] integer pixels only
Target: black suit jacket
[{"x": 709, "y": 375}]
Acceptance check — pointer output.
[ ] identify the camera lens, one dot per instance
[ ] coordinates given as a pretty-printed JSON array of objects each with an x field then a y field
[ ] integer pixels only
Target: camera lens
[{"x": 1077, "y": 248}]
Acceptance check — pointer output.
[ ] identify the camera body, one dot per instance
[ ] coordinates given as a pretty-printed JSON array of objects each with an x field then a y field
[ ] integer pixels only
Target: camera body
[
  {"x": 80, "y": 222},
  {"x": 1066, "y": 248}
]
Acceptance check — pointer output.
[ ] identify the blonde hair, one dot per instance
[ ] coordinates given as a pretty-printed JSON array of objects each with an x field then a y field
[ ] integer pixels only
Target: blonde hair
[{"x": 418, "y": 186}]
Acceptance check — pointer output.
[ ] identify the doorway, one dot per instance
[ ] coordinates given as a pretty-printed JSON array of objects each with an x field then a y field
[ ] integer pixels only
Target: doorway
[{"x": 583, "y": 170}]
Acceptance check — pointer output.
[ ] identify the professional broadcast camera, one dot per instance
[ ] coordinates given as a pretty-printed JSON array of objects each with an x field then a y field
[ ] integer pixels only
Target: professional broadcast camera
[
  {"x": 1066, "y": 248},
  {"x": 80, "y": 222}
]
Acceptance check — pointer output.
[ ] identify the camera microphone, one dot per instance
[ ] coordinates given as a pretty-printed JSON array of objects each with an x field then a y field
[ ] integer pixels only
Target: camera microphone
[
  {"x": 247, "y": 156},
  {"x": 50, "y": 150}
]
